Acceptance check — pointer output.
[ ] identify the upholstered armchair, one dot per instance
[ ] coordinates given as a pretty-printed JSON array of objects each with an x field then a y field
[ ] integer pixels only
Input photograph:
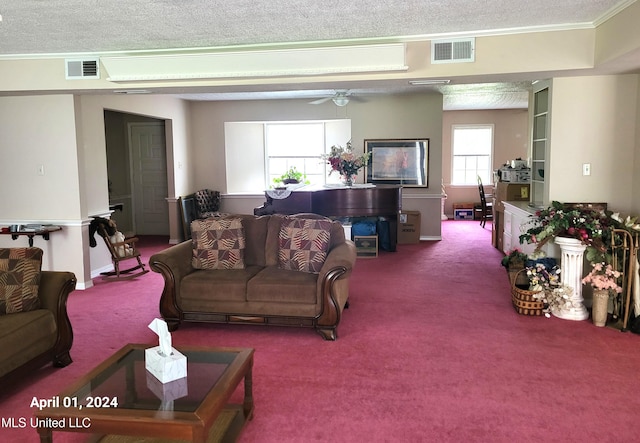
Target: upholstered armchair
[{"x": 34, "y": 325}]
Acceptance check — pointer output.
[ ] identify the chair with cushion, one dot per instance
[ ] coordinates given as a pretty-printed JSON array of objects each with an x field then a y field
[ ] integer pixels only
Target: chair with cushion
[
  {"x": 34, "y": 325},
  {"x": 197, "y": 206},
  {"x": 486, "y": 207},
  {"x": 208, "y": 203}
]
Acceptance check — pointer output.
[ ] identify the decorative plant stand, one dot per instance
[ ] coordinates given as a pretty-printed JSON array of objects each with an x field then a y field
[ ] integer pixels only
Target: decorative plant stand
[{"x": 572, "y": 258}]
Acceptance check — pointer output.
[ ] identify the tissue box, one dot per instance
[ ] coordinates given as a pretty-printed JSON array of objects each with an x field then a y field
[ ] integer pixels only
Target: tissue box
[
  {"x": 169, "y": 391},
  {"x": 165, "y": 368}
]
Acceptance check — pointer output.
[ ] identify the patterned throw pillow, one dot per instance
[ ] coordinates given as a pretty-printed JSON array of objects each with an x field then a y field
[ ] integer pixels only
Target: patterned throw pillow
[
  {"x": 303, "y": 244},
  {"x": 218, "y": 243},
  {"x": 19, "y": 279}
]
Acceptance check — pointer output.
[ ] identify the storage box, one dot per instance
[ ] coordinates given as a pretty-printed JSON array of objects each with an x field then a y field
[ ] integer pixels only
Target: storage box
[
  {"x": 409, "y": 227},
  {"x": 165, "y": 368},
  {"x": 466, "y": 205},
  {"x": 463, "y": 214},
  {"x": 366, "y": 245},
  {"x": 512, "y": 191}
]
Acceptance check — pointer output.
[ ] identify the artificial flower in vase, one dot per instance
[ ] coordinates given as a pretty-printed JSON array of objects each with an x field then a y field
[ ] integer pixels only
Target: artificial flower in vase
[
  {"x": 345, "y": 162},
  {"x": 604, "y": 280}
]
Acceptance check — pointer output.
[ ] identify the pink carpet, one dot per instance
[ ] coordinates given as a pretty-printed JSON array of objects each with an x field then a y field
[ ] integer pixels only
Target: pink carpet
[{"x": 430, "y": 350}]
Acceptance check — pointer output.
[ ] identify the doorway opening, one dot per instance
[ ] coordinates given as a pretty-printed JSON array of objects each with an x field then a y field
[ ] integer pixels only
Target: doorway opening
[{"x": 137, "y": 172}]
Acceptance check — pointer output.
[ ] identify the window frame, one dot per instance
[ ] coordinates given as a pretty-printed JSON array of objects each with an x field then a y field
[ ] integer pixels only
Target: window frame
[{"x": 489, "y": 178}]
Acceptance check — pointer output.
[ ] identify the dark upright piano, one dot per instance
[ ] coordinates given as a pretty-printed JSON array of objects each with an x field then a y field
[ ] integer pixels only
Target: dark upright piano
[{"x": 379, "y": 201}]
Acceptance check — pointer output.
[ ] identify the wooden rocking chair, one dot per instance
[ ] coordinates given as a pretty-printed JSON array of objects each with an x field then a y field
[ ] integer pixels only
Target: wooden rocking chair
[{"x": 121, "y": 251}]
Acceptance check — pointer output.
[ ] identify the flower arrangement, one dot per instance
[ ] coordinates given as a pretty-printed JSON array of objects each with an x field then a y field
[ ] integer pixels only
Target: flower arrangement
[
  {"x": 603, "y": 277},
  {"x": 345, "y": 161},
  {"x": 592, "y": 227},
  {"x": 543, "y": 278},
  {"x": 556, "y": 298},
  {"x": 515, "y": 259}
]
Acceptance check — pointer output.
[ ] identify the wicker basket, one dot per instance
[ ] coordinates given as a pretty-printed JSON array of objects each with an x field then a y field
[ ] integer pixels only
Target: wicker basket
[
  {"x": 523, "y": 300},
  {"x": 515, "y": 276}
]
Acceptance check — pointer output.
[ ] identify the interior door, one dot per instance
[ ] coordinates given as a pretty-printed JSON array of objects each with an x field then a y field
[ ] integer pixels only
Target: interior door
[{"x": 149, "y": 178}]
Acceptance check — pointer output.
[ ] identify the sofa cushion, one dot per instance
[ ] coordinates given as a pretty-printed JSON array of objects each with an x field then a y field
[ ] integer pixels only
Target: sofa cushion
[
  {"x": 303, "y": 244},
  {"x": 218, "y": 243},
  {"x": 273, "y": 284},
  {"x": 210, "y": 286},
  {"x": 19, "y": 279}
]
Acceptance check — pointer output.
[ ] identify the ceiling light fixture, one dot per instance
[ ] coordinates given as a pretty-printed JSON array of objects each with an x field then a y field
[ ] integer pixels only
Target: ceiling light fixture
[
  {"x": 429, "y": 82},
  {"x": 340, "y": 100},
  {"x": 132, "y": 91}
]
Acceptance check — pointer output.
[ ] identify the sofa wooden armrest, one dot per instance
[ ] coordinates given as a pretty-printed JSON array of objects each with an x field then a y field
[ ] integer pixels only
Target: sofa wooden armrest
[
  {"x": 173, "y": 264},
  {"x": 337, "y": 267},
  {"x": 54, "y": 290}
]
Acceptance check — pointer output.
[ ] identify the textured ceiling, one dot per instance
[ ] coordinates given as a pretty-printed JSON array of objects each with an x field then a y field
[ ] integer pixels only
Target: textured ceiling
[
  {"x": 36, "y": 27},
  {"x": 63, "y": 26}
]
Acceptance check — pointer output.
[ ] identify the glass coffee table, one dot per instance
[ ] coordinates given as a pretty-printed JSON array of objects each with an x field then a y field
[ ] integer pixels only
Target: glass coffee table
[{"x": 121, "y": 398}]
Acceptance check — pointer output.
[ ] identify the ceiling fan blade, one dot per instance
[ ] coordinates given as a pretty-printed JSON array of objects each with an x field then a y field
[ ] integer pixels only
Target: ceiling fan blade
[
  {"x": 356, "y": 98},
  {"x": 320, "y": 101}
]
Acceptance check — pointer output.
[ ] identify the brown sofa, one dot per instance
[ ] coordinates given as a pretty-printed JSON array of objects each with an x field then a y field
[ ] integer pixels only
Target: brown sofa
[
  {"x": 29, "y": 340},
  {"x": 262, "y": 292}
]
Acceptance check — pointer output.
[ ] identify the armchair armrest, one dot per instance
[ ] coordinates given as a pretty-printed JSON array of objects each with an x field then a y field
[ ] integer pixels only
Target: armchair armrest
[{"x": 342, "y": 256}]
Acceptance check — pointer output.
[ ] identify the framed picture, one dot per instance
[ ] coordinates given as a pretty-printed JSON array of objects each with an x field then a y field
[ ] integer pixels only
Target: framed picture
[{"x": 398, "y": 162}]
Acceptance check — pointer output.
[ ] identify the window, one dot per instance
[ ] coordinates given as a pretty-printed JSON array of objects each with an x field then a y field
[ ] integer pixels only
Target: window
[
  {"x": 258, "y": 152},
  {"x": 472, "y": 148},
  {"x": 295, "y": 145}
]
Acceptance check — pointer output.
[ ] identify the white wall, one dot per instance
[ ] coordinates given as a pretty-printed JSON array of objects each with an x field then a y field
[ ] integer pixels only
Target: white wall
[
  {"x": 594, "y": 120},
  {"x": 40, "y": 133},
  {"x": 66, "y": 135}
]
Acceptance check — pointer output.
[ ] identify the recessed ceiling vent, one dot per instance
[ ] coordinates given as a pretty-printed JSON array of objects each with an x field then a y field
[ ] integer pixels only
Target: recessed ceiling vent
[
  {"x": 82, "y": 69},
  {"x": 453, "y": 51}
]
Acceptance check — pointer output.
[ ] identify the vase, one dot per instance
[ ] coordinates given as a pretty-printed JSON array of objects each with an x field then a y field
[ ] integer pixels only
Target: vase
[
  {"x": 347, "y": 180},
  {"x": 572, "y": 251},
  {"x": 599, "y": 310}
]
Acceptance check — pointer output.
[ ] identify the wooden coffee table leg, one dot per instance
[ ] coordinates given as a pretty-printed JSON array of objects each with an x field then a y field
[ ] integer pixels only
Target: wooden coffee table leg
[
  {"x": 248, "y": 394},
  {"x": 46, "y": 435}
]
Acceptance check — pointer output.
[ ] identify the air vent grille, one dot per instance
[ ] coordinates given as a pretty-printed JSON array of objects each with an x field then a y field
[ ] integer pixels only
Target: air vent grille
[
  {"x": 82, "y": 69},
  {"x": 453, "y": 51}
]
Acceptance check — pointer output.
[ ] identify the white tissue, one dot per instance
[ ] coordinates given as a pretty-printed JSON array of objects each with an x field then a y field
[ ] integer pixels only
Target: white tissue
[
  {"x": 164, "y": 362},
  {"x": 160, "y": 327}
]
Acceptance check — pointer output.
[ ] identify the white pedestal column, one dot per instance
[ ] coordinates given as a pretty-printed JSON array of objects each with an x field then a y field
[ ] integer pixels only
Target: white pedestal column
[
  {"x": 572, "y": 251},
  {"x": 443, "y": 216}
]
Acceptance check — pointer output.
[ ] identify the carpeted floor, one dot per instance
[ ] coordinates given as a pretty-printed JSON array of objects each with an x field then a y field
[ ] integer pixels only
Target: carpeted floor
[{"x": 430, "y": 350}]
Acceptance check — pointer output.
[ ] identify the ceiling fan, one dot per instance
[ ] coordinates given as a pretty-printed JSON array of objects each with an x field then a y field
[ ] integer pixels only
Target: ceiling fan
[{"x": 340, "y": 98}]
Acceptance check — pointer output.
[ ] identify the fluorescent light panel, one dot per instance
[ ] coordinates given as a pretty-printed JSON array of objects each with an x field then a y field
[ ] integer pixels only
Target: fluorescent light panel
[
  {"x": 429, "y": 82},
  {"x": 288, "y": 62}
]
